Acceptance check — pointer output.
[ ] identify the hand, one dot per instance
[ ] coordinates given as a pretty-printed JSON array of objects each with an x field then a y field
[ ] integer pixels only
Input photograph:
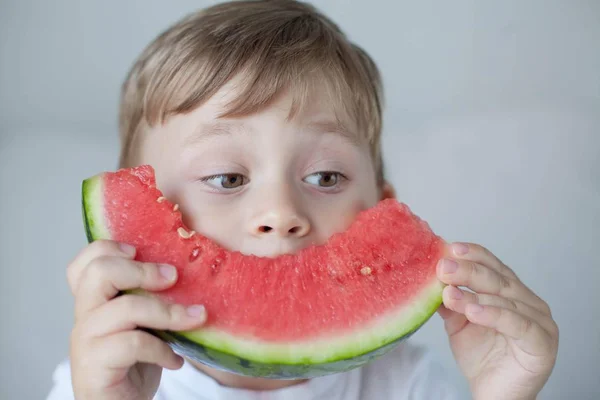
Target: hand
[
  {"x": 502, "y": 336},
  {"x": 110, "y": 359}
]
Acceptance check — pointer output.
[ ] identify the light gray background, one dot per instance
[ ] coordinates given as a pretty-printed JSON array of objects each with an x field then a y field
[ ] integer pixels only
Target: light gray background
[{"x": 491, "y": 134}]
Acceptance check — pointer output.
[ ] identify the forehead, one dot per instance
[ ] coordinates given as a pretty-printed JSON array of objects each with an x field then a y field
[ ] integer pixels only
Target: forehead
[{"x": 312, "y": 103}]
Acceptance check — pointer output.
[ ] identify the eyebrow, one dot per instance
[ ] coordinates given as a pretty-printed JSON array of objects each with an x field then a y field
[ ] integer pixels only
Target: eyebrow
[
  {"x": 217, "y": 128},
  {"x": 334, "y": 127},
  {"x": 205, "y": 131}
]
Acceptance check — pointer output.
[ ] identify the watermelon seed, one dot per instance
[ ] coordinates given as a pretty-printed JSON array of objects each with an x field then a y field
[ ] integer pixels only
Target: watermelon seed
[
  {"x": 176, "y": 207},
  {"x": 195, "y": 254},
  {"x": 215, "y": 264},
  {"x": 366, "y": 271},
  {"x": 185, "y": 234},
  {"x": 161, "y": 199}
]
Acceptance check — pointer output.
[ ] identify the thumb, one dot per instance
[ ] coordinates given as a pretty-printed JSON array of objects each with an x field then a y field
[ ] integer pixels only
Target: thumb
[{"x": 453, "y": 321}]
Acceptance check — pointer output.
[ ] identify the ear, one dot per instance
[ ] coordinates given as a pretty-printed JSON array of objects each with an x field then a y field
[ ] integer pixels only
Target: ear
[{"x": 387, "y": 191}]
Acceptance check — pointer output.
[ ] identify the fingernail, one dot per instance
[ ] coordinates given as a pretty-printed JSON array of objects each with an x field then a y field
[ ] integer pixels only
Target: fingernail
[
  {"x": 456, "y": 293},
  {"x": 127, "y": 249},
  {"x": 196, "y": 311},
  {"x": 474, "y": 308},
  {"x": 449, "y": 266},
  {"x": 460, "y": 249},
  {"x": 167, "y": 271}
]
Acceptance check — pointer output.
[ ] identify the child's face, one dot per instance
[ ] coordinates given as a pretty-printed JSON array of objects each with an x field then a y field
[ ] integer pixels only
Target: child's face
[{"x": 263, "y": 184}]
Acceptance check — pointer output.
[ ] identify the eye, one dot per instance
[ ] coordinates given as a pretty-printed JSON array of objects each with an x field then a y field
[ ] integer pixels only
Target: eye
[
  {"x": 324, "y": 179},
  {"x": 226, "y": 181}
]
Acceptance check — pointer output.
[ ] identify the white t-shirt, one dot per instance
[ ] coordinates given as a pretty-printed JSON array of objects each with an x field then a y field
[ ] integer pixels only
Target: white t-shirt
[{"x": 409, "y": 372}]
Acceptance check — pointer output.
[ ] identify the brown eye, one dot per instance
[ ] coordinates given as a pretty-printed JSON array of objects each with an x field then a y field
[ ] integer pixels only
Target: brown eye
[
  {"x": 225, "y": 182},
  {"x": 328, "y": 179},
  {"x": 232, "y": 181},
  {"x": 324, "y": 179}
]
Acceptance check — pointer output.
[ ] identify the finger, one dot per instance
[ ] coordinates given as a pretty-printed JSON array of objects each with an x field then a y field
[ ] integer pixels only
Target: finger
[
  {"x": 132, "y": 311},
  {"x": 481, "y": 255},
  {"x": 527, "y": 334},
  {"x": 454, "y": 322},
  {"x": 95, "y": 249},
  {"x": 482, "y": 279},
  {"x": 106, "y": 276},
  {"x": 457, "y": 300},
  {"x": 124, "y": 349},
  {"x": 477, "y": 277}
]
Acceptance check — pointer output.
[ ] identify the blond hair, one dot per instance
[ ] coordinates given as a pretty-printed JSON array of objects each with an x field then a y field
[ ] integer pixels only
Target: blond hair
[{"x": 276, "y": 44}]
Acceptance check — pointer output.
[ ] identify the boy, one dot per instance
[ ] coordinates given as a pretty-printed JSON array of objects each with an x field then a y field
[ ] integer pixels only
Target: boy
[{"x": 263, "y": 122}]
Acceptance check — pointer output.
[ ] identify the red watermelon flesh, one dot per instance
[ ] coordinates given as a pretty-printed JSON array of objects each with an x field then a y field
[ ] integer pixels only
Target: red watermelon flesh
[{"x": 365, "y": 287}]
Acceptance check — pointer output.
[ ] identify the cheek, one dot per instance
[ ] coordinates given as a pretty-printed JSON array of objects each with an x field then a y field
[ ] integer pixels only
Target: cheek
[
  {"x": 210, "y": 215},
  {"x": 338, "y": 214}
]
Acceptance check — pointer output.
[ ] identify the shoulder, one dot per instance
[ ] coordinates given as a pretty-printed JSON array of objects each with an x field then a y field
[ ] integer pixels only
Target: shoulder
[
  {"x": 61, "y": 383},
  {"x": 409, "y": 371}
]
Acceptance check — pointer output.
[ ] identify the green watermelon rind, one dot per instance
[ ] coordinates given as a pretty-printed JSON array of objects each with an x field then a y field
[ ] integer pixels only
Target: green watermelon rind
[
  {"x": 92, "y": 204},
  {"x": 288, "y": 360},
  {"x": 274, "y": 370},
  {"x": 387, "y": 329}
]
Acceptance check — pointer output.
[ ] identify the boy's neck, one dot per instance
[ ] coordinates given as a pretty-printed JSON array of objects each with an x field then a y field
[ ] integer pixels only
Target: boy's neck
[{"x": 244, "y": 382}]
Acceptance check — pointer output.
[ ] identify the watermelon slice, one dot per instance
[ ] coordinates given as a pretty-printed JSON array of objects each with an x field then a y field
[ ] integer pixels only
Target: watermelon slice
[{"x": 325, "y": 309}]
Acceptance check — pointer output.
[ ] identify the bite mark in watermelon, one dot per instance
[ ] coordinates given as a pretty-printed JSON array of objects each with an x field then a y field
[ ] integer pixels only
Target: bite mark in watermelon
[{"x": 328, "y": 308}]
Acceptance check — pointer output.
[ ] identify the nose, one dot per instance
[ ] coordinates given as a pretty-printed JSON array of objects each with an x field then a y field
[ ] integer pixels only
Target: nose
[{"x": 283, "y": 222}]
